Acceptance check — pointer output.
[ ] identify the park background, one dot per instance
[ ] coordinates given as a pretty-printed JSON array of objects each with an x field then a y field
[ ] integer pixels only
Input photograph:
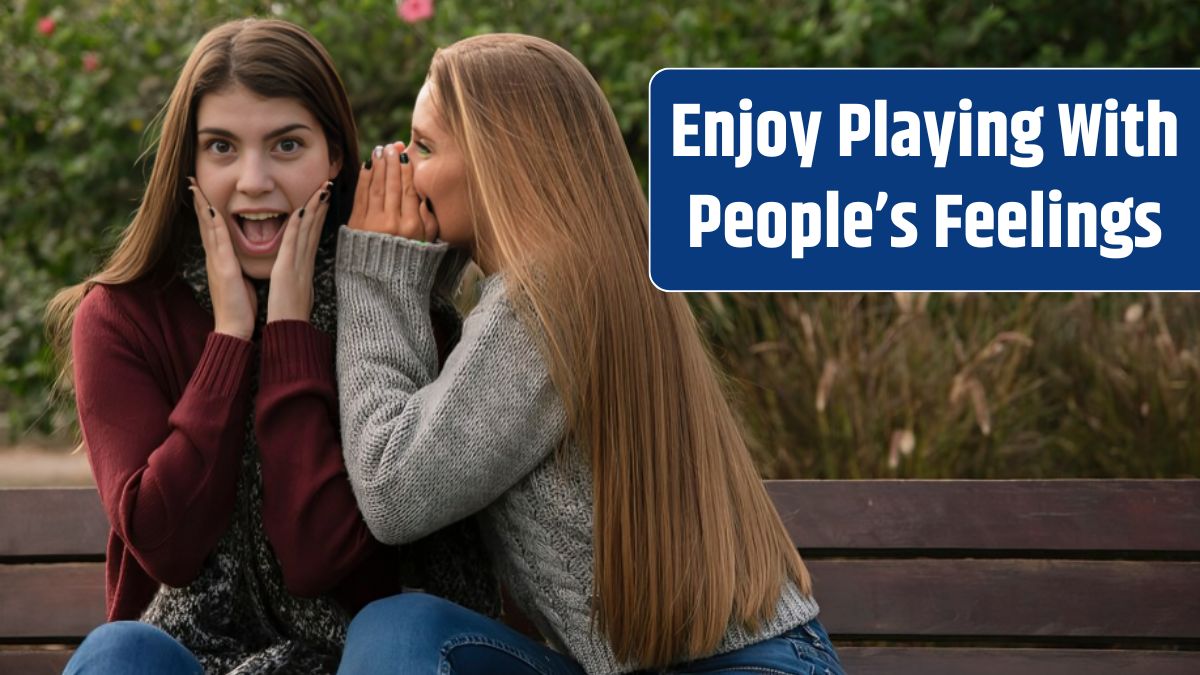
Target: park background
[{"x": 855, "y": 385}]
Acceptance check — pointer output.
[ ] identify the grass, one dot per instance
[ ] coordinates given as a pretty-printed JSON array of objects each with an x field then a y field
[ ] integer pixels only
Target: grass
[{"x": 964, "y": 385}]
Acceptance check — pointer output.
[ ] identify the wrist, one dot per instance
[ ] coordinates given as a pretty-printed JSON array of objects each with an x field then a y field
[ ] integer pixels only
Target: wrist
[
  {"x": 288, "y": 313},
  {"x": 238, "y": 333}
]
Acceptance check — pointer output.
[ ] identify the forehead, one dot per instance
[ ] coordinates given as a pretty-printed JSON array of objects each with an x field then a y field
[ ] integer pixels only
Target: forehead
[
  {"x": 425, "y": 113},
  {"x": 246, "y": 113}
]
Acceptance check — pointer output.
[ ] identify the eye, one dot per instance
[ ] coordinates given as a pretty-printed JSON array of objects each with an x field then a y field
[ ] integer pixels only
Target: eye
[
  {"x": 290, "y": 145},
  {"x": 421, "y": 147},
  {"x": 219, "y": 146}
]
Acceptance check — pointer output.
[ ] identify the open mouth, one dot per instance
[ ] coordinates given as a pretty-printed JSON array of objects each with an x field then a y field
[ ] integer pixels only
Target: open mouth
[{"x": 260, "y": 231}]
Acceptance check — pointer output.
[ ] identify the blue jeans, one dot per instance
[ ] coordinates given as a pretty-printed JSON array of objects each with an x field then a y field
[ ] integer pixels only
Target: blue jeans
[
  {"x": 418, "y": 633},
  {"x": 131, "y": 648}
]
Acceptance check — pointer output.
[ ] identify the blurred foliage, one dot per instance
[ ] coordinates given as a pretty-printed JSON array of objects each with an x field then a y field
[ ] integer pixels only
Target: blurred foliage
[
  {"x": 981, "y": 385},
  {"x": 833, "y": 385}
]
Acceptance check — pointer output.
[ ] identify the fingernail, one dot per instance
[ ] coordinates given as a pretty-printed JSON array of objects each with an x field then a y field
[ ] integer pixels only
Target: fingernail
[
  {"x": 212, "y": 213},
  {"x": 390, "y": 150},
  {"x": 367, "y": 164},
  {"x": 324, "y": 196},
  {"x": 378, "y": 151},
  {"x": 301, "y": 212},
  {"x": 404, "y": 158}
]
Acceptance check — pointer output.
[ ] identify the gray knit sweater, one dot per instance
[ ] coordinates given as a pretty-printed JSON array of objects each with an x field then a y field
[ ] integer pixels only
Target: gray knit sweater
[{"x": 425, "y": 449}]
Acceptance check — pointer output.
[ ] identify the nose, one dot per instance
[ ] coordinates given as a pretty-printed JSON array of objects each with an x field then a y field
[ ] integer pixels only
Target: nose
[{"x": 255, "y": 175}]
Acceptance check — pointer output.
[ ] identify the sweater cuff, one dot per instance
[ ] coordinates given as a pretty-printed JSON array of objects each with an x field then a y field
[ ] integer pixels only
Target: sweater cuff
[
  {"x": 386, "y": 257},
  {"x": 223, "y": 364},
  {"x": 295, "y": 350}
]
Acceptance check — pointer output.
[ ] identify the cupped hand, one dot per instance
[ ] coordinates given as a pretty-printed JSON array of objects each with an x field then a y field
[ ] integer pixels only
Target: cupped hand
[
  {"x": 291, "y": 294},
  {"x": 234, "y": 302},
  {"x": 386, "y": 200}
]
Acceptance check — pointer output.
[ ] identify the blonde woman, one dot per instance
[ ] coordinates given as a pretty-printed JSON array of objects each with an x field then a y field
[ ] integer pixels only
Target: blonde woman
[{"x": 580, "y": 414}]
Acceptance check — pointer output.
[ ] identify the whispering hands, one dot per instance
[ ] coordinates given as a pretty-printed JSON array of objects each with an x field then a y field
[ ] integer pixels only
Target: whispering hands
[{"x": 386, "y": 200}]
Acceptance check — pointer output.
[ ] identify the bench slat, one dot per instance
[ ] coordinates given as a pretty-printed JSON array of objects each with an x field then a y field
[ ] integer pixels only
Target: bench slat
[
  {"x": 1037, "y": 515},
  {"x": 34, "y": 662},
  {"x": 990, "y": 598},
  {"x": 62, "y": 600},
  {"x": 52, "y": 522},
  {"x": 1062, "y": 515},
  {"x": 1009, "y": 598},
  {"x": 956, "y": 661}
]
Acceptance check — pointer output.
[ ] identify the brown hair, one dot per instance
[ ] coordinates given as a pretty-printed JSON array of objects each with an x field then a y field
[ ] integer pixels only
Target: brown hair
[
  {"x": 687, "y": 541},
  {"x": 271, "y": 58}
]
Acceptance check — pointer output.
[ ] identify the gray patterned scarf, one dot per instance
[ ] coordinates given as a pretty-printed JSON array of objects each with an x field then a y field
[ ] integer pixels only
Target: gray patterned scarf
[{"x": 236, "y": 616}]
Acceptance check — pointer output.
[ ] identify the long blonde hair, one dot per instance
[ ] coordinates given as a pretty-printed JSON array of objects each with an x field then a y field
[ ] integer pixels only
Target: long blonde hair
[
  {"x": 272, "y": 58},
  {"x": 687, "y": 541}
]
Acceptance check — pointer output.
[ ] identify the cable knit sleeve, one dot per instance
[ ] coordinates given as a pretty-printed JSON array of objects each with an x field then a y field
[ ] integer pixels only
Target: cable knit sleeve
[{"x": 425, "y": 449}]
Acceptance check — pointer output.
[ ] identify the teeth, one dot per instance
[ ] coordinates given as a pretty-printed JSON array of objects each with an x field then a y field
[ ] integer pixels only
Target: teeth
[{"x": 260, "y": 216}]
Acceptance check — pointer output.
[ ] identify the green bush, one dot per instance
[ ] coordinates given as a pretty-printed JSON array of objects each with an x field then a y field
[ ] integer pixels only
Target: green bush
[{"x": 75, "y": 106}]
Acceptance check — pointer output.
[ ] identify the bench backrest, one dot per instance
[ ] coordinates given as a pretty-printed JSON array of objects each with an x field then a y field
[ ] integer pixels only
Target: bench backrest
[{"x": 1063, "y": 576}]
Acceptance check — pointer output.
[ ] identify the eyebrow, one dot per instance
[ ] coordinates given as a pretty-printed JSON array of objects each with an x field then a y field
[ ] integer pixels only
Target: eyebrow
[{"x": 229, "y": 134}]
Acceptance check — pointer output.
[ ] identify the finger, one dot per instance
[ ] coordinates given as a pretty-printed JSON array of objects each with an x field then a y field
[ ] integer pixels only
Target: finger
[
  {"x": 287, "y": 246},
  {"x": 411, "y": 223},
  {"x": 204, "y": 216},
  {"x": 310, "y": 231},
  {"x": 429, "y": 221},
  {"x": 297, "y": 233},
  {"x": 378, "y": 178},
  {"x": 395, "y": 184},
  {"x": 214, "y": 234},
  {"x": 221, "y": 240},
  {"x": 359, "y": 212}
]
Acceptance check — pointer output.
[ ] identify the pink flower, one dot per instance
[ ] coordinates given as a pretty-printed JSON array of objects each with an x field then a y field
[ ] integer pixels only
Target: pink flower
[
  {"x": 46, "y": 25},
  {"x": 91, "y": 61},
  {"x": 413, "y": 11}
]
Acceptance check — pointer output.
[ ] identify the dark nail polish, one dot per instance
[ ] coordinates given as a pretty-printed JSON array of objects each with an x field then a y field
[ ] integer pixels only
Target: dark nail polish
[
  {"x": 324, "y": 196},
  {"x": 212, "y": 213},
  {"x": 301, "y": 212},
  {"x": 404, "y": 158},
  {"x": 367, "y": 164}
]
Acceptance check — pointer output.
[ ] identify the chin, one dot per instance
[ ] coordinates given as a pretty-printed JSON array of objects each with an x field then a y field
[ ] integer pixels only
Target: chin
[{"x": 257, "y": 269}]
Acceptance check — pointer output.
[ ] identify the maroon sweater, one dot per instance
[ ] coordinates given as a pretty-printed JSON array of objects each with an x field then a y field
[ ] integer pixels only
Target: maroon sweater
[{"x": 163, "y": 402}]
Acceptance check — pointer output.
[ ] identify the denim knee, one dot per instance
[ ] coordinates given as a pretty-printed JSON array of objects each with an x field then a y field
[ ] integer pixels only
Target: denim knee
[
  {"x": 422, "y": 616},
  {"x": 401, "y": 633},
  {"x": 131, "y": 648}
]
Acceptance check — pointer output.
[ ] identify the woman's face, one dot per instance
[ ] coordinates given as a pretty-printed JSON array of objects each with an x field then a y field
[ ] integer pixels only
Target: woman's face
[
  {"x": 439, "y": 172},
  {"x": 258, "y": 160}
]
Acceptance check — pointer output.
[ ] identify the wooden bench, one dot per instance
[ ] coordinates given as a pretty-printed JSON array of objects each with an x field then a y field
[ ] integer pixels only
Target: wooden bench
[{"x": 943, "y": 577}]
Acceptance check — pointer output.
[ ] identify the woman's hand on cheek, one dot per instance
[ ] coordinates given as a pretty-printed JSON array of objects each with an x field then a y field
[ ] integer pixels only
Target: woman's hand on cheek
[
  {"x": 386, "y": 200},
  {"x": 234, "y": 302},
  {"x": 291, "y": 295}
]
